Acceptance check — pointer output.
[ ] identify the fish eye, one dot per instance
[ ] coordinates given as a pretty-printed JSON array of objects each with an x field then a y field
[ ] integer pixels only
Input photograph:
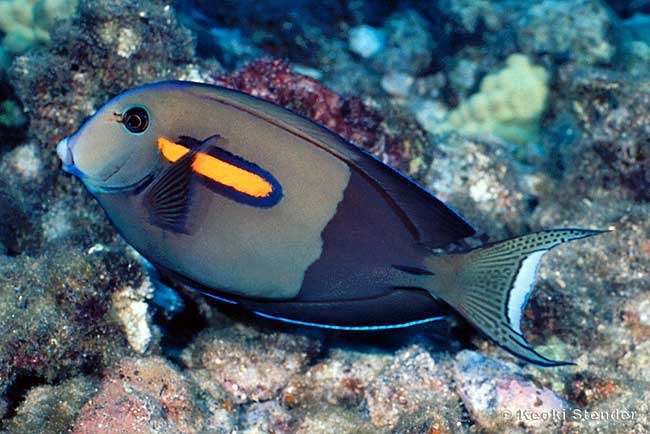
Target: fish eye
[{"x": 135, "y": 119}]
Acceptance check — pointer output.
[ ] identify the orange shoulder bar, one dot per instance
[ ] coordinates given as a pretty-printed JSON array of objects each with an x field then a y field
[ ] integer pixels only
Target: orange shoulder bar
[{"x": 220, "y": 171}]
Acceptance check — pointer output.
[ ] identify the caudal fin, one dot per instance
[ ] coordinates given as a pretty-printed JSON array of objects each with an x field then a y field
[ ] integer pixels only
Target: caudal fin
[{"x": 490, "y": 286}]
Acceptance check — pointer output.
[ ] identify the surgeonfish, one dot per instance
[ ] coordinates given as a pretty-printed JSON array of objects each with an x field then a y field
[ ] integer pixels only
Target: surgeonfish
[{"x": 254, "y": 205}]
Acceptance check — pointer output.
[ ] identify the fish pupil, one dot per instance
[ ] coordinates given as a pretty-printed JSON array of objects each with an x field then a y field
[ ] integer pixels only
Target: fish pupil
[{"x": 136, "y": 119}]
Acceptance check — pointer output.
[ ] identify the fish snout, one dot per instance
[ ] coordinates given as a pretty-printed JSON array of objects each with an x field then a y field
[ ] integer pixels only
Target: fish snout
[{"x": 64, "y": 153}]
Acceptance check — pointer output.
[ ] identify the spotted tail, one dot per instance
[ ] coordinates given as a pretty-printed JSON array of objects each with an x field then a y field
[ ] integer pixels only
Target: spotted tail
[{"x": 490, "y": 285}]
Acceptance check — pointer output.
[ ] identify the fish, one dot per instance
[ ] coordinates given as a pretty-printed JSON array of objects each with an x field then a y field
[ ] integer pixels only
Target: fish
[{"x": 254, "y": 205}]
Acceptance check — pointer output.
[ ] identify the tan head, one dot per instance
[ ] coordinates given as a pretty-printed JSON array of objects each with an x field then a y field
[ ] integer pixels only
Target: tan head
[{"x": 116, "y": 148}]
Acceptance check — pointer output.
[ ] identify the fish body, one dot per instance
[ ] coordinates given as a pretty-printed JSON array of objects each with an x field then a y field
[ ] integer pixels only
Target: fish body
[{"x": 255, "y": 205}]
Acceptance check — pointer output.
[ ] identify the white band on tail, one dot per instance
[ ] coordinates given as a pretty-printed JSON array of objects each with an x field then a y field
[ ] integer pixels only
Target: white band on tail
[{"x": 523, "y": 287}]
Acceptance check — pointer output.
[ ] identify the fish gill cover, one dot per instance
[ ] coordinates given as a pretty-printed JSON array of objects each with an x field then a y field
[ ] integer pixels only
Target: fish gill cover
[{"x": 90, "y": 342}]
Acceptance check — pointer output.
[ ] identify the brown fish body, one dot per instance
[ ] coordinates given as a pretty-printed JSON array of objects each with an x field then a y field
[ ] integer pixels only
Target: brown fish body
[{"x": 255, "y": 205}]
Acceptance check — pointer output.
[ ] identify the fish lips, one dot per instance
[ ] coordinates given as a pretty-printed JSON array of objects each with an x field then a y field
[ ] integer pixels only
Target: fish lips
[
  {"x": 64, "y": 153},
  {"x": 67, "y": 159}
]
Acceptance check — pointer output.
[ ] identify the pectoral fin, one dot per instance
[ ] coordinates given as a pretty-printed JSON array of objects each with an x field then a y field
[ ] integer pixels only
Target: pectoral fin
[{"x": 168, "y": 197}]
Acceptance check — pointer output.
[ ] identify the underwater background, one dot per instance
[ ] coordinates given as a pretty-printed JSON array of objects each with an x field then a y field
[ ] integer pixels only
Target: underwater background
[{"x": 522, "y": 115}]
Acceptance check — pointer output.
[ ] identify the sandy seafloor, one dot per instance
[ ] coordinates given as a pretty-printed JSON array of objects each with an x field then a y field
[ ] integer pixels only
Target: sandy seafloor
[{"x": 522, "y": 115}]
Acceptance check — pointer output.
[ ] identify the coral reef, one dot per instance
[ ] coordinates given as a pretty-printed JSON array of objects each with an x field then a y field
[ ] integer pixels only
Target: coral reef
[
  {"x": 581, "y": 30},
  {"x": 613, "y": 113},
  {"x": 11, "y": 115},
  {"x": 629, "y": 8},
  {"x": 13, "y": 122},
  {"x": 560, "y": 31},
  {"x": 112, "y": 44},
  {"x": 52, "y": 409},
  {"x": 411, "y": 386},
  {"x": 409, "y": 45},
  {"x": 274, "y": 81},
  {"x": 290, "y": 29},
  {"x": 366, "y": 41},
  {"x": 69, "y": 293},
  {"x": 149, "y": 395},
  {"x": 509, "y": 103},
  {"x": 28, "y": 23},
  {"x": 498, "y": 396},
  {"x": 484, "y": 184},
  {"x": 227, "y": 359}
]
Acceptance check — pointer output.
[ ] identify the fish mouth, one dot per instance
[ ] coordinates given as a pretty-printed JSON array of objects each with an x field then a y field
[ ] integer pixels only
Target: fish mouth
[
  {"x": 120, "y": 188},
  {"x": 117, "y": 169},
  {"x": 67, "y": 159},
  {"x": 65, "y": 154},
  {"x": 96, "y": 184}
]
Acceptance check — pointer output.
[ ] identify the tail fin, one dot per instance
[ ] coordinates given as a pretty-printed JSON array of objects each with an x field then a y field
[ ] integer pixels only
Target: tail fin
[{"x": 490, "y": 286}]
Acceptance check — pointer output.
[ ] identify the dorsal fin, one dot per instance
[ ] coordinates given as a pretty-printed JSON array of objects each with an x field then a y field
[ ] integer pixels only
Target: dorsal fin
[{"x": 435, "y": 224}]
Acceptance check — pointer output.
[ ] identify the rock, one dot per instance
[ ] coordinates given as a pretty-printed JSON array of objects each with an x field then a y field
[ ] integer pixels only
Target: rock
[
  {"x": 578, "y": 30},
  {"x": 366, "y": 41},
  {"x": 432, "y": 116},
  {"x": 624, "y": 413},
  {"x": 128, "y": 42},
  {"x": 612, "y": 110},
  {"x": 637, "y": 317},
  {"x": 57, "y": 306},
  {"x": 109, "y": 47},
  {"x": 411, "y": 384},
  {"x": 409, "y": 44},
  {"x": 26, "y": 162},
  {"x": 130, "y": 305},
  {"x": 346, "y": 73},
  {"x": 248, "y": 364},
  {"x": 266, "y": 417},
  {"x": 342, "y": 379},
  {"x": 587, "y": 290},
  {"x": 481, "y": 181},
  {"x": 52, "y": 409},
  {"x": 463, "y": 75},
  {"x": 150, "y": 396},
  {"x": 330, "y": 419},
  {"x": 397, "y": 84},
  {"x": 634, "y": 361},
  {"x": 499, "y": 398}
]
